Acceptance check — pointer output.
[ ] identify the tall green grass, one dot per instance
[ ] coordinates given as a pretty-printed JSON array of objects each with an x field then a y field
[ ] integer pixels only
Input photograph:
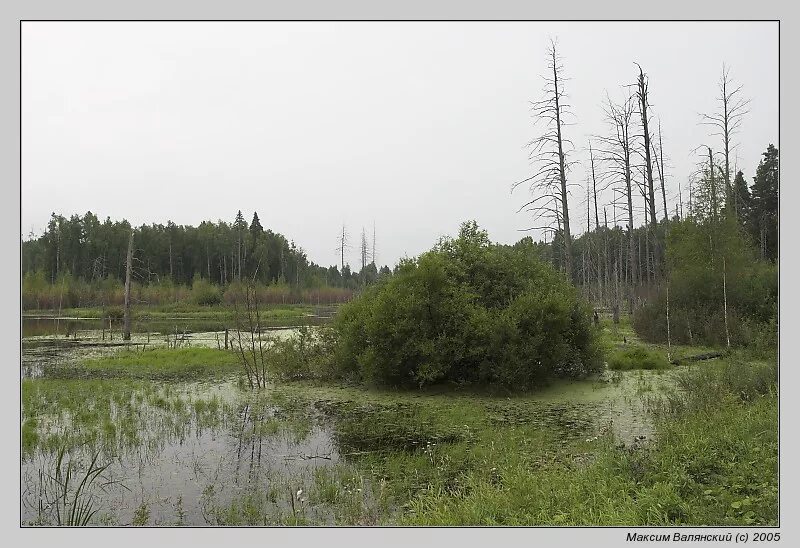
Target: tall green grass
[{"x": 637, "y": 357}]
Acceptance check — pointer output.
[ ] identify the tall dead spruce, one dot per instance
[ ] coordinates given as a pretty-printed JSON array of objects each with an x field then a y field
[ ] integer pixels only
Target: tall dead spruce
[
  {"x": 343, "y": 245},
  {"x": 548, "y": 153},
  {"x": 615, "y": 151},
  {"x": 643, "y": 102},
  {"x": 726, "y": 123}
]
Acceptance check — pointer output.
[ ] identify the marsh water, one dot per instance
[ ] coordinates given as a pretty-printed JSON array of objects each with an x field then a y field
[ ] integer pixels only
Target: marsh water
[{"x": 210, "y": 452}]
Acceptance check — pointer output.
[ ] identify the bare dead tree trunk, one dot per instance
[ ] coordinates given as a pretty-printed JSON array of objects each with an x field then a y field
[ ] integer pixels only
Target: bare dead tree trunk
[
  {"x": 669, "y": 340},
  {"x": 641, "y": 93},
  {"x": 594, "y": 186},
  {"x": 373, "y": 245},
  {"x": 586, "y": 277},
  {"x": 660, "y": 166},
  {"x": 596, "y": 222},
  {"x": 607, "y": 261},
  {"x": 616, "y": 151},
  {"x": 171, "y": 277},
  {"x": 343, "y": 244},
  {"x": 549, "y": 154},
  {"x": 126, "y": 329},
  {"x": 714, "y": 205},
  {"x": 647, "y": 228},
  {"x": 364, "y": 249},
  {"x": 726, "y": 124},
  {"x": 725, "y": 302},
  {"x": 562, "y": 168}
]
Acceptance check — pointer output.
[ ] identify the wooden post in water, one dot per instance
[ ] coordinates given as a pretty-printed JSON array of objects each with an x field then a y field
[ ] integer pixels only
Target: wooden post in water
[{"x": 126, "y": 333}]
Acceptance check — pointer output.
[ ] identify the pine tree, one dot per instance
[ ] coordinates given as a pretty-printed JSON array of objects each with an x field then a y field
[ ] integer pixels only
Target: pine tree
[
  {"x": 741, "y": 196},
  {"x": 255, "y": 226},
  {"x": 764, "y": 204}
]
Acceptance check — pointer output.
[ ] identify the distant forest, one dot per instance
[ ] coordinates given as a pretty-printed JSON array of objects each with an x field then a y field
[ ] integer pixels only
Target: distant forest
[{"x": 221, "y": 253}]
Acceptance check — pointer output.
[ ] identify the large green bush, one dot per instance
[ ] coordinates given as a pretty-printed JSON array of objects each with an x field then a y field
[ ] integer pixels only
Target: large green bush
[
  {"x": 468, "y": 312},
  {"x": 709, "y": 262}
]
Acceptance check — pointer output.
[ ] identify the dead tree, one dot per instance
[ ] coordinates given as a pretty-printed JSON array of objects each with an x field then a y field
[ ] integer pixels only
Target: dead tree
[
  {"x": 364, "y": 249},
  {"x": 660, "y": 167},
  {"x": 596, "y": 221},
  {"x": 642, "y": 96},
  {"x": 250, "y": 348},
  {"x": 549, "y": 155},
  {"x": 726, "y": 123},
  {"x": 713, "y": 186},
  {"x": 343, "y": 245},
  {"x": 616, "y": 150},
  {"x": 126, "y": 329},
  {"x": 373, "y": 245}
]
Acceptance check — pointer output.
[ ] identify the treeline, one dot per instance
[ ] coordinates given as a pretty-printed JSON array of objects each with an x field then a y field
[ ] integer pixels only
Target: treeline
[{"x": 81, "y": 261}]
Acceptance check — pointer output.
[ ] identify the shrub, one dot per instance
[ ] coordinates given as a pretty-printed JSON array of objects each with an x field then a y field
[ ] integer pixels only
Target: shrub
[
  {"x": 697, "y": 296},
  {"x": 468, "y": 312},
  {"x": 205, "y": 293},
  {"x": 308, "y": 355},
  {"x": 637, "y": 357}
]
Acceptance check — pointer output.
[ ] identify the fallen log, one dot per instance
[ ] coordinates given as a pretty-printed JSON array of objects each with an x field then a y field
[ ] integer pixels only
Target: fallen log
[{"x": 698, "y": 357}]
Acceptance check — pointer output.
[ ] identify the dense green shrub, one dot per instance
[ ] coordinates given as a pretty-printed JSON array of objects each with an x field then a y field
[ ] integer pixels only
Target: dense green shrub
[
  {"x": 468, "y": 311},
  {"x": 708, "y": 263},
  {"x": 637, "y": 357}
]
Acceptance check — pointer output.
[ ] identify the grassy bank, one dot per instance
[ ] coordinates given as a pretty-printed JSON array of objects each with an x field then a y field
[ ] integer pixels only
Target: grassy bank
[{"x": 710, "y": 466}]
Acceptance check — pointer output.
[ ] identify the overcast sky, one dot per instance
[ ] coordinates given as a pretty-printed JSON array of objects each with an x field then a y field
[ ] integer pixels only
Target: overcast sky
[{"x": 413, "y": 126}]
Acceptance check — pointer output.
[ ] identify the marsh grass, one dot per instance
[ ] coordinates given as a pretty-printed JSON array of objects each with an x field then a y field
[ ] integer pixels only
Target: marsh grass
[
  {"x": 637, "y": 357},
  {"x": 111, "y": 415},
  {"x": 159, "y": 364},
  {"x": 66, "y": 494}
]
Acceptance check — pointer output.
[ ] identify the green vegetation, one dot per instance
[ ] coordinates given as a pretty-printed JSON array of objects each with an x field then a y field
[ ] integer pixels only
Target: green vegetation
[
  {"x": 160, "y": 363},
  {"x": 718, "y": 467},
  {"x": 718, "y": 289},
  {"x": 110, "y": 415},
  {"x": 66, "y": 494},
  {"x": 637, "y": 357},
  {"x": 468, "y": 312}
]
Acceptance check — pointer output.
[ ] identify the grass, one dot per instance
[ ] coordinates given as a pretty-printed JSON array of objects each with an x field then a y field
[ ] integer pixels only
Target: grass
[
  {"x": 161, "y": 363},
  {"x": 637, "y": 357},
  {"x": 110, "y": 415}
]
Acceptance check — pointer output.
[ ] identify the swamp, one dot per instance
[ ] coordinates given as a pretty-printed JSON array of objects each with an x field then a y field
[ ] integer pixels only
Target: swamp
[
  {"x": 162, "y": 430},
  {"x": 365, "y": 353}
]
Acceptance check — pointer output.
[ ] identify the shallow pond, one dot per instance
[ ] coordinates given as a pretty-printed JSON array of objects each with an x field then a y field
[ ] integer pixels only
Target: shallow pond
[
  {"x": 213, "y": 452},
  {"x": 74, "y": 327}
]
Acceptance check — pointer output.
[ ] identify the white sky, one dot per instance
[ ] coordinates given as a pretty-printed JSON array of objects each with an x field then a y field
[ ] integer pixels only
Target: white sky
[{"x": 415, "y": 126}]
